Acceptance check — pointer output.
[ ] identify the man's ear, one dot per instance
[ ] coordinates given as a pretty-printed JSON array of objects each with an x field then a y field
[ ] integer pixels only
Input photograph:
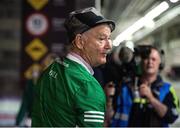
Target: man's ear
[{"x": 78, "y": 42}]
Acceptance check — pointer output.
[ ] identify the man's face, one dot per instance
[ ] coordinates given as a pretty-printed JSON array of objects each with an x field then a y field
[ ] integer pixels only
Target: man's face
[
  {"x": 96, "y": 44},
  {"x": 151, "y": 64}
]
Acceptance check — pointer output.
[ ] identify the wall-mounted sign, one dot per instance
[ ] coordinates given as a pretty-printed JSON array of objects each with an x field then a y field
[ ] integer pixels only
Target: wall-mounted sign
[
  {"x": 37, "y": 24},
  {"x": 33, "y": 71},
  {"x": 43, "y": 32},
  {"x": 38, "y": 4},
  {"x": 36, "y": 49}
]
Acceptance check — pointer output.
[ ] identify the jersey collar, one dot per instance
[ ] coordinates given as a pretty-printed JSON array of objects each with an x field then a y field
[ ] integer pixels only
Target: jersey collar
[{"x": 75, "y": 57}]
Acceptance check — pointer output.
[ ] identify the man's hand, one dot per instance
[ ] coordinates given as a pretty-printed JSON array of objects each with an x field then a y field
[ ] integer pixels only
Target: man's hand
[{"x": 145, "y": 91}]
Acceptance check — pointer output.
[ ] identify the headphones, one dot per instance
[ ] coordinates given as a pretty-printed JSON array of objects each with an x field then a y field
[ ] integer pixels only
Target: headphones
[{"x": 162, "y": 56}]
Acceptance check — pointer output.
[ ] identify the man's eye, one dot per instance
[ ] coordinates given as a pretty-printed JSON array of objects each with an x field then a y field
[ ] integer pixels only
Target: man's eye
[{"x": 102, "y": 38}]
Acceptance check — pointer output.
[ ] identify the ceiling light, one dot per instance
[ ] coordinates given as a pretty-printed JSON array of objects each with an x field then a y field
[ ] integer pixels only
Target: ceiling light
[
  {"x": 149, "y": 24},
  {"x": 168, "y": 17},
  {"x": 173, "y": 1},
  {"x": 157, "y": 10},
  {"x": 128, "y": 32},
  {"x": 141, "y": 22}
]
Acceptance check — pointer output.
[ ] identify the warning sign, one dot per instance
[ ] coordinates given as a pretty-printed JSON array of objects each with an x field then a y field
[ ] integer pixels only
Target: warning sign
[
  {"x": 36, "y": 49},
  {"x": 37, "y": 4},
  {"x": 42, "y": 32},
  {"x": 33, "y": 71},
  {"x": 37, "y": 24}
]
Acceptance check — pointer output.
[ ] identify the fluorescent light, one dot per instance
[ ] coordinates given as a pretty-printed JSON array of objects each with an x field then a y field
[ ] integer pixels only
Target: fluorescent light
[
  {"x": 130, "y": 45},
  {"x": 173, "y": 1},
  {"x": 128, "y": 32},
  {"x": 157, "y": 10},
  {"x": 170, "y": 15},
  {"x": 141, "y": 23},
  {"x": 149, "y": 24}
]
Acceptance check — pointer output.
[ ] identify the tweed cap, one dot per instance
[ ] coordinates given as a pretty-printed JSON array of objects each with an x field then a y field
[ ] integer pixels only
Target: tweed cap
[{"x": 82, "y": 20}]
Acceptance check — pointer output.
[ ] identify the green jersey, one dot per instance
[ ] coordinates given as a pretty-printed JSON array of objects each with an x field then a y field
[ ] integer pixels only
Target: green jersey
[{"x": 68, "y": 95}]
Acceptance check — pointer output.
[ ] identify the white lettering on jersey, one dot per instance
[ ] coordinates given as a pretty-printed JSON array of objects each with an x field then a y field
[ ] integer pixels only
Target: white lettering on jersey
[{"x": 53, "y": 74}]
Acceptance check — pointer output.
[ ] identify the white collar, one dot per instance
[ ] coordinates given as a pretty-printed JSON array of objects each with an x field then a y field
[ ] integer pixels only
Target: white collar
[{"x": 75, "y": 57}]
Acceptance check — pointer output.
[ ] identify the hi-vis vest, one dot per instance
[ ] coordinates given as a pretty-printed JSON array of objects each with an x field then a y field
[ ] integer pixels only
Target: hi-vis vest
[{"x": 124, "y": 103}]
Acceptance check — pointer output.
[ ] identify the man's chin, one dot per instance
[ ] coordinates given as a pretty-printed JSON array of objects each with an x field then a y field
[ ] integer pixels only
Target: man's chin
[
  {"x": 150, "y": 72},
  {"x": 101, "y": 62}
]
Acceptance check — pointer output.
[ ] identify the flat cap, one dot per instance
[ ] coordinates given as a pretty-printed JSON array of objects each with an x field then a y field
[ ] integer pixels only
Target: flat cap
[{"x": 82, "y": 20}]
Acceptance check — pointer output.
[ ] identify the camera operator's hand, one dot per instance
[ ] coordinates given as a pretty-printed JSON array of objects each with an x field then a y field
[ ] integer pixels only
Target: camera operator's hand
[{"x": 145, "y": 91}]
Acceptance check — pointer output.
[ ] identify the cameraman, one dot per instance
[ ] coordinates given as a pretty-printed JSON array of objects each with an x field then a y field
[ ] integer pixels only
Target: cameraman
[{"x": 152, "y": 104}]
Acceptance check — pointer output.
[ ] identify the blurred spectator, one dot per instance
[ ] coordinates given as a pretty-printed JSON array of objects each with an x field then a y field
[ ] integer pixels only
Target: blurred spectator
[
  {"x": 109, "y": 89},
  {"x": 23, "y": 117}
]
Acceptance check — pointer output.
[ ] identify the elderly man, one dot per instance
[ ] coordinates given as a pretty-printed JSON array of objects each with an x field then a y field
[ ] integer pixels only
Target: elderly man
[{"x": 67, "y": 94}]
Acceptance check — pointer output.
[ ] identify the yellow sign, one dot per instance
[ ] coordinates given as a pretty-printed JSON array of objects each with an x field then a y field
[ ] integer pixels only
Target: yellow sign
[
  {"x": 36, "y": 49},
  {"x": 38, "y": 4},
  {"x": 33, "y": 71}
]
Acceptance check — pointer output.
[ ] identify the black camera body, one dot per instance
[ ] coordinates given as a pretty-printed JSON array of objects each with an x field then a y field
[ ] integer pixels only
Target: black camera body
[
  {"x": 127, "y": 63},
  {"x": 130, "y": 65}
]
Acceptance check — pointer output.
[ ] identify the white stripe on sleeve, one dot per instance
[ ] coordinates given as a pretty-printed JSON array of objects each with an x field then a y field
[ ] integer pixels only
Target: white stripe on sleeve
[
  {"x": 94, "y": 116},
  {"x": 93, "y": 120},
  {"x": 94, "y": 112}
]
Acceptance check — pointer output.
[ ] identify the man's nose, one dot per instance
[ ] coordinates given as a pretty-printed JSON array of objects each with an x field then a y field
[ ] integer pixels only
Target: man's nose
[{"x": 109, "y": 44}]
